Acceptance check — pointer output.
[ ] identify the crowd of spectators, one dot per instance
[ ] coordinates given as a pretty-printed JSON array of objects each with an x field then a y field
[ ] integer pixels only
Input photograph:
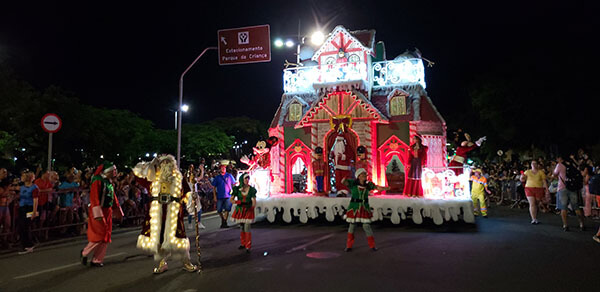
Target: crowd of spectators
[
  {"x": 507, "y": 182},
  {"x": 62, "y": 200}
]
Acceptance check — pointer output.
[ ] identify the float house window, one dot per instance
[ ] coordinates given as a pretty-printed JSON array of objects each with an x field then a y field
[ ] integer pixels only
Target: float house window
[
  {"x": 398, "y": 105},
  {"x": 295, "y": 112}
]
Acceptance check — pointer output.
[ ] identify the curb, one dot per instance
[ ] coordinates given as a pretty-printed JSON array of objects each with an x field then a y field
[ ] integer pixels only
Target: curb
[{"x": 120, "y": 230}]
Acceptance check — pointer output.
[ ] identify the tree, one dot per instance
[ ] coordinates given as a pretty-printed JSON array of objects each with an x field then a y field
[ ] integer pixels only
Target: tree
[{"x": 204, "y": 141}]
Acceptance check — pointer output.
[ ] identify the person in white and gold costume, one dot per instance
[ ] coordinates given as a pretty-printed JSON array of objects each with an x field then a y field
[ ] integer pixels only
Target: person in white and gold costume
[{"x": 163, "y": 232}]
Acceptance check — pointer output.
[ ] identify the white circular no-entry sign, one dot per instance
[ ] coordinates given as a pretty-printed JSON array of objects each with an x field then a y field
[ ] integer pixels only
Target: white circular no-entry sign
[{"x": 51, "y": 123}]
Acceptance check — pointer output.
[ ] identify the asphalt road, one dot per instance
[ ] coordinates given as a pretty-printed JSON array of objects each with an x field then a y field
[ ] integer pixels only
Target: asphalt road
[{"x": 501, "y": 253}]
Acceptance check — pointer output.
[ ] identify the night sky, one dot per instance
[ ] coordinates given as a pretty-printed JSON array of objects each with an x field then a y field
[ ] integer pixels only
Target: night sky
[{"x": 130, "y": 56}]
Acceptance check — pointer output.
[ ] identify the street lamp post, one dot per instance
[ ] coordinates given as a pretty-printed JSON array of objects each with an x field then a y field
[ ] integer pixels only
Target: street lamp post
[
  {"x": 184, "y": 108},
  {"x": 316, "y": 39},
  {"x": 179, "y": 109}
]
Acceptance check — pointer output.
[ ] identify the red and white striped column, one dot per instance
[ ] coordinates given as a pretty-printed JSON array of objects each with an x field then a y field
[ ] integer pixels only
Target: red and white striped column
[
  {"x": 412, "y": 130},
  {"x": 368, "y": 142},
  {"x": 373, "y": 162},
  {"x": 282, "y": 170},
  {"x": 314, "y": 142}
]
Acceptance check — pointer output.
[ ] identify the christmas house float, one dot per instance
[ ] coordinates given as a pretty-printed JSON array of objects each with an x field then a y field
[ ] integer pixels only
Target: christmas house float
[{"x": 345, "y": 96}]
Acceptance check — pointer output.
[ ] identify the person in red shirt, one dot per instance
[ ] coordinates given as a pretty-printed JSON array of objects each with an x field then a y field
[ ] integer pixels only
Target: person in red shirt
[{"x": 45, "y": 185}]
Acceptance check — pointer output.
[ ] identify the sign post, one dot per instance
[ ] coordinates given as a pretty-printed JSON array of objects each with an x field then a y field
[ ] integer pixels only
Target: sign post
[
  {"x": 51, "y": 123},
  {"x": 251, "y": 44}
]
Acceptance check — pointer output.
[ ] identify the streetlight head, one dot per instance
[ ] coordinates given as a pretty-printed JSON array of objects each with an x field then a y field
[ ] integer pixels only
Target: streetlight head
[
  {"x": 317, "y": 38},
  {"x": 289, "y": 43},
  {"x": 185, "y": 108},
  {"x": 278, "y": 43}
]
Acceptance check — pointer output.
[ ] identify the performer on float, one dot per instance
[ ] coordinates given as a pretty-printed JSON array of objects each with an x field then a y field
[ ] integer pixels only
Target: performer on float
[
  {"x": 417, "y": 158},
  {"x": 342, "y": 160},
  {"x": 163, "y": 232},
  {"x": 244, "y": 197},
  {"x": 319, "y": 167},
  {"x": 361, "y": 161},
  {"x": 477, "y": 192},
  {"x": 458, "y": 160},
  {"x": 359, "y": 210},
  {"x": 102, "y": 200}
]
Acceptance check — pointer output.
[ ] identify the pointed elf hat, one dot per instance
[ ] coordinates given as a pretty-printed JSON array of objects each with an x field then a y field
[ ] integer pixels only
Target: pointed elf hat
[{"x": 105, "y": 167}]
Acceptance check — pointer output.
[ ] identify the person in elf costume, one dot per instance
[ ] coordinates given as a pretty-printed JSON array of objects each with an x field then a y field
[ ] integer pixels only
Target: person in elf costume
[
  {"x": 319, "y": 167},
  {"x": 358, "y": 210},
  {"x": 244, "y": 198},
  {"x": 102, "y": 201},
  {"x": 361, "y": 161},
  {"x": 163, "y": 231},
  {"x": 466, "y": 146}
]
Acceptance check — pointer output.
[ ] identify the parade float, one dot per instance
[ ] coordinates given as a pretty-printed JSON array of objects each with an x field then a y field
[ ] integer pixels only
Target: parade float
[{"x": 360, "y": 110}]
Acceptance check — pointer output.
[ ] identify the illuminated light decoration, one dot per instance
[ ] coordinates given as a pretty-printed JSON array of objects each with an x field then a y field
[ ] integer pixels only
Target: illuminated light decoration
[
  {"x": 152, "y": 243},
  {"x": 355, "y": 101},
  {"x": 278, "y": 43},
  {"x": 313, "y": 145},
  {"x": 303, "y": 79},
  {"x": 399, "y": 72},
  {"x": 261, "y": 180},
  {"x": 390, "y": 148},
  {"x": 289, "y": 43},
  {"x": 307, "y": 206},
  {"x": 445, "y": 184},
  {"x": 347, "y": 82},
  {"x": 317, "y": 38},
  {"x": 298, "y": 150},
  {"x": 436, "y": 154}
]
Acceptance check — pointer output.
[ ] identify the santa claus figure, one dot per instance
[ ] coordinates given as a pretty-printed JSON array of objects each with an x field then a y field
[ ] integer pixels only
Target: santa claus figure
[
  {"x": 342, "y": 159},
  {"x": 163, "y": 232},
  {"x": 458, "y": 160}
]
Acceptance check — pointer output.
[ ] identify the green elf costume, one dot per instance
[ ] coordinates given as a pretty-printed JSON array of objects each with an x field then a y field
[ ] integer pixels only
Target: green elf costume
[
  {"x": 102, "y": 201},
  {"x": 244, "y": 209},
  {"x": 358, "y": 210}
]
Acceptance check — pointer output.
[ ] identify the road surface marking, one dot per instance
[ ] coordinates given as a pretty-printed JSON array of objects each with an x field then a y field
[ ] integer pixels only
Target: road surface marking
[
  {"x": 310, "y": 243},
  {"x": 63, "y": 267}
]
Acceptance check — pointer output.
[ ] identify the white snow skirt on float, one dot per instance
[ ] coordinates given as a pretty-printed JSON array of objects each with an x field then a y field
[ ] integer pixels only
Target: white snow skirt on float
[{"x": 307, "y": 206}]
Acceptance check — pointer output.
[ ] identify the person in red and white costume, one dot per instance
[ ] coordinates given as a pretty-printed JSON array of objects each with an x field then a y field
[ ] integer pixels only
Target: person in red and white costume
[
  {"x": 342, "y": 159},
  {"x": 102, "y": 200},
  {"x": 417, "y": 158},
  {"x": 458, "y": 160}
]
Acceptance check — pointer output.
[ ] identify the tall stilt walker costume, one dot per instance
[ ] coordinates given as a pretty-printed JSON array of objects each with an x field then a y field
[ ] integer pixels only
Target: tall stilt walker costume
[
  {"x": 358, "y": 210},
  {"x": 102, "y": 200},
  {"x": 244, "y": 198},
  {"x": 163, "y": 232},
  {"x": 417, "y": 158},
  {"x": 458, "y": 160}
]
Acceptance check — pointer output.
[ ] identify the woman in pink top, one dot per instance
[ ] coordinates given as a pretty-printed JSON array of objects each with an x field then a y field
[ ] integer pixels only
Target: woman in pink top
[
  {"x": 587, "y": 173},
  {"x": 535, "y": 188}
]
